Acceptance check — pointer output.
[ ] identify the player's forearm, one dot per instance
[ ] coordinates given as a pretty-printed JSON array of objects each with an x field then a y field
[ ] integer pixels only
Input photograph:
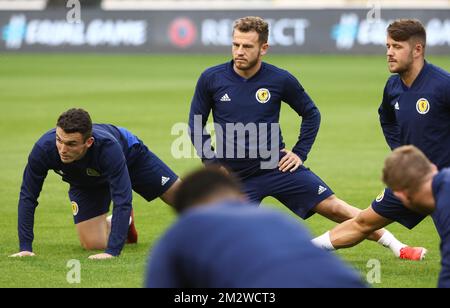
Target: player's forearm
[
  {"x": 26, "y": 224},
  {"x": 391, "y": 134},
  {"x": 199, "y": 138},
  {"x": 33, "y": 179},
  {"x": 308, "y": 133},
  {"x": 122, "y": 197},
  {"x": 389, "y": 126},
  {"x": 119, "y": 229}
]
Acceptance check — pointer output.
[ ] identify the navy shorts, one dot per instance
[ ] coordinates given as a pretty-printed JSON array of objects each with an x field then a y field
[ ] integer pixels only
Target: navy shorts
[
  {"x": 389, "y": 206},
  {"x": 150, "y": 178},
  {"x": 300, "y": 190}
]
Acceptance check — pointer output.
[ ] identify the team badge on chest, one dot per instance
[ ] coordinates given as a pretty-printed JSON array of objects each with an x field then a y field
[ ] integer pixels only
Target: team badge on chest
[
  {"x": 380, "y": 197},
  {"x": 263, "y": 96},
  {"x": 75, "y": 208},
  {"x": 423, "y": 106},
  {"x": 92, "y": 172}
]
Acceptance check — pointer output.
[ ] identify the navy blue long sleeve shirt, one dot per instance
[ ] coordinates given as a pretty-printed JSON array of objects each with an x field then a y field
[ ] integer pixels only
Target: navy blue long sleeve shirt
[
  {"x": 107, "y": 156},
  {"x": 441, "y": 218},
  {"x": 234, "y": 245},
  {"x": 419, "y": 115},
  {"x": 233, "y": 99}
]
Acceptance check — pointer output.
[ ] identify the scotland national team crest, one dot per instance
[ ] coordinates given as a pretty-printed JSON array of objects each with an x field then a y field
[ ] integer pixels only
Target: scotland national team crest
[
  {"x": 92, "y": 172},
  {"x": 380, "y": 197},
  {"x": 423, "y": 106},
  {"x": 263, "y": 96},
  {"x": 74, "y": 208}
]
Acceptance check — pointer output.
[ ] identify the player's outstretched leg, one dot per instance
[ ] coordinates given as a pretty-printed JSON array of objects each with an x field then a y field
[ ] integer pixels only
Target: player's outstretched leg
[
  {"x": 169, "y": 195},
  {"x": 356, "y": 226}
]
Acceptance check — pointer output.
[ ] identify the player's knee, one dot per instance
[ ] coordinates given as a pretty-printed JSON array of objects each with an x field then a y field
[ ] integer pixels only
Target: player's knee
[
  {"x": 363, "y": 225},
  {"x": 91, "y": 244},
  {"x": 338, "y": 210}
]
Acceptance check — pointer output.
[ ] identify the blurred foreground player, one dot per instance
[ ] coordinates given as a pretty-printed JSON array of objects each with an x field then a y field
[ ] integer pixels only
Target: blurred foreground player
[{"x": 220, "y": 241}]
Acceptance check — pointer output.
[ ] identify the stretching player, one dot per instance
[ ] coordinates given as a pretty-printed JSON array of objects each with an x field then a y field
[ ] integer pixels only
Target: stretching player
[
  {"x": 415, "y": 110},
  {"x": 246, "y": 93}
]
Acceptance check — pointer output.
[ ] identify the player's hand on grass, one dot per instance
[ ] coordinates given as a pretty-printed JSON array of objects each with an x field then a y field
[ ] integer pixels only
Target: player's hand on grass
[
  {"x": 23, "y": 254},
  {"x": 289, "y": 162},
  {"x": 101, "y": 256}
]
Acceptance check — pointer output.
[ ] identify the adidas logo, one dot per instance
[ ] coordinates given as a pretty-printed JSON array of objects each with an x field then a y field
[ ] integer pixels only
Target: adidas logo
[
  {"x": 397, "y": 106},
  {"x": 321, "y": 190},
  {"x": 225, "y": 98},
  {"x": 164, "y": 180},
  {"x": 60, "y": 172}
]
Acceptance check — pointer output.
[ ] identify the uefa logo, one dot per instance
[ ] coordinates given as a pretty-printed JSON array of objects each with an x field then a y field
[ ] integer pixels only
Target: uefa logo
[{"x": 182, "y": 32}]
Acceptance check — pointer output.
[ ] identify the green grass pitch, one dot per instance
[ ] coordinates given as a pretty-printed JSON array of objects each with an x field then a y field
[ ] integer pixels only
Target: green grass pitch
[{"x": 148, "y": 94}]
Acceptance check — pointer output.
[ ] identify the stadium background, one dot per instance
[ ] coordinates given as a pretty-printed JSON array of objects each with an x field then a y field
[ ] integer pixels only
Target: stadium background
[{"x": 135, "y": 64}]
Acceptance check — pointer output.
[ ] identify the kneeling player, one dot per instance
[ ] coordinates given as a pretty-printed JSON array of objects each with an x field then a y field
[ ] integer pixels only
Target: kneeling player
[{"x": 102, "y": 163}]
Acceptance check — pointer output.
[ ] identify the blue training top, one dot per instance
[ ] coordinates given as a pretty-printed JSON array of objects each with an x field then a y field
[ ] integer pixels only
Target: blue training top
[
  {"x": 419, "y": 115},
  {"x": 441, "y": 218},
  {"x": 234, "y": 245},
  {"x": 255, "y": 101}
]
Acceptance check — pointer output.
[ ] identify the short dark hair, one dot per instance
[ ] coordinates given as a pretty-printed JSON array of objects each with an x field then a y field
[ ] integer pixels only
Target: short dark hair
[
  {"x": 253, "y": 23},
  {"x": 403, "y": 30},
  {"x": 76, "y": 121},
  {"x": 202, "y": 184},
  {"x": 406, "y": 168}
]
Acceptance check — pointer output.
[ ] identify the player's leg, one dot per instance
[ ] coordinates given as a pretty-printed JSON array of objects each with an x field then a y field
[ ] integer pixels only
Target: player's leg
[
  {"x": 151, "y": 177},
  {"x": 90, "y": 207},
  {"x": 340, "y": 211},
  {"x": 254, "y": 189},
  {"x": 94, "y": 233},
  {"x": 306, "y": 194},
  {"x": 132, "y": 236},
  {"x": 353, "y": 231},
  {"x": 169, "y": 195},
  {"x": 385, "y": 209},
  {"x": 317, "y": 197}
]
